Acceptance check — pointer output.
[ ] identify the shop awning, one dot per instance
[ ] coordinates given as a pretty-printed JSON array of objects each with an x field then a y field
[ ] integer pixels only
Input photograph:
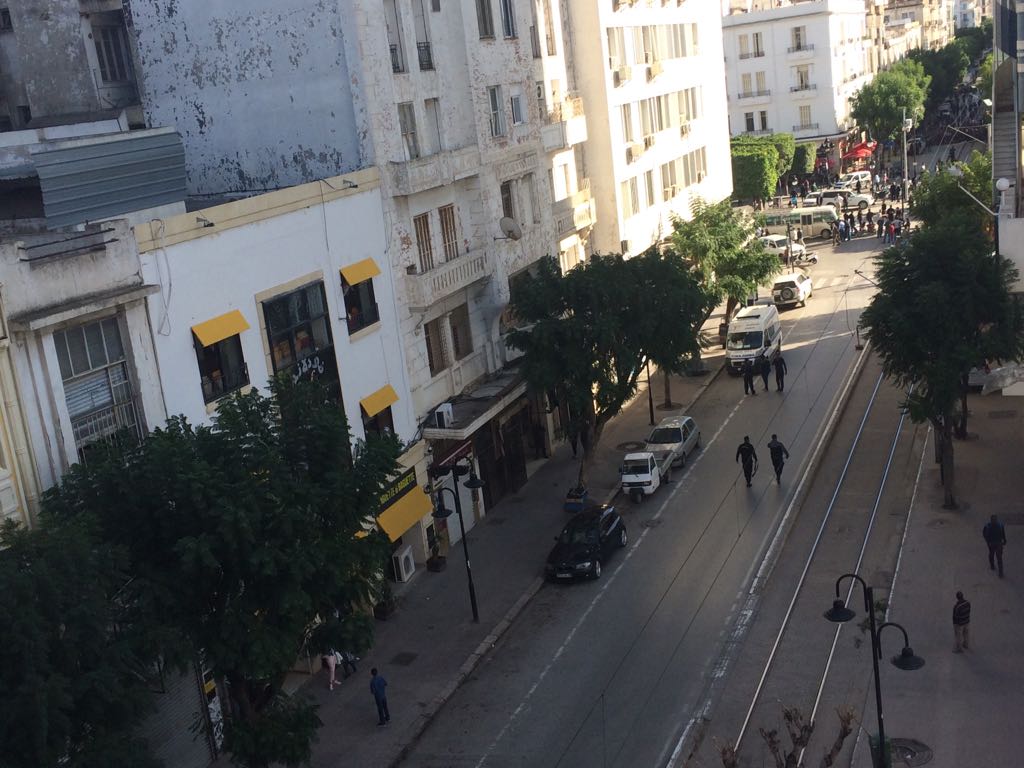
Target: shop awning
[
  {"x": 219, "y": 328},
  {"x": 379, "y": 400},
  {"x": 360, "y": 272},
  {"x": 403, "y": 504}
]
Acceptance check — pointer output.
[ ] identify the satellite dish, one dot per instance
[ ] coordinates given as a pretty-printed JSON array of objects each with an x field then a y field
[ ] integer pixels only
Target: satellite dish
[{"x": 509, "y": 229}]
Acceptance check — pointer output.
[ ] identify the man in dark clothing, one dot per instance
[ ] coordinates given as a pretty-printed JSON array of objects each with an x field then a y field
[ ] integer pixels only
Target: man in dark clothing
[
  {"x": 961, "y": 622},
  {"x": 765, "y": 369},
  {"x": 779, "y": 455},
  {"x": 995, "y": 537},
  {"x": 748, "y": 457},
  {"x": 780, "y": 373},
  {"x": 378, "y": 687},
  {"x": 748, "y": 378}
]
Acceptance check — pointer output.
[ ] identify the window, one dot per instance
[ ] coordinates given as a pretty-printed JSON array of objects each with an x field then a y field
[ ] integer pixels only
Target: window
[
  {"x": 748, "y": 121},
  {"x": 298, "y": 326},
  {"x": 381, "y": 425},
  {"x": 449, "y": 232},
  {"x": 764, "y": 120},
  {"x": 421, "y": 224},
  {"x": 497, "y": 105},
  {"x": 649, "y": 188},
  {"x": 798, "y": 36},
  {"x": 361, "y": 309},
  {"x": 744, "y": 46},
  {"x": 508, "y": 18},
  {"x": 485, "y": 18},
  {"x": 762, "y": 85},
  {"x": 508, "y": 200},
  {"x": 542, "y": 107},
  {"x": 634, "y": 196},
  {"x": 805, "y": 115},
  {"x": 627, "y": 122},
  {"x": 462, "y": 335},
  {"x": 407, "y": 124},
  {"x": 5, "y": 20},
  {"x": 529, "y": 186},
  {"x": 433, "y": 336},
  {"x": 758, "y": 44},
  {"x": 97, "y": 387},
  {"x": 112, "y": 54},
  {"x": 746, "y": 87},
  {"x": 668, "y": 179},
  {"x": 630, "y": 198},
  {"x": 803, "y": 77},
  {"x": 518, "y": 111},
  {"x": 222, "y": 368},
  {"x": 433, "y": 129}
]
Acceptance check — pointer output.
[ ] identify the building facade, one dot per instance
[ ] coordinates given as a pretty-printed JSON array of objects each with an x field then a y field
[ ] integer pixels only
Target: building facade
[
  {"x": 650, "y": 77},
  {"x": 936, "y": 18},
  {"x": 794, "y": 68}
]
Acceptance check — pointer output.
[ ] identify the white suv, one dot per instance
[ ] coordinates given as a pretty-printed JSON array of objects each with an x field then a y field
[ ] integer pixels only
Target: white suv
[{"x": 794, "y": 288}]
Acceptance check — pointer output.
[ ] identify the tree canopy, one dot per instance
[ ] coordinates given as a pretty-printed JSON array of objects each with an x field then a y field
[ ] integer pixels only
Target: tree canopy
[
  {"x": 879, "y": 105},
  {"x": 239, "y": 537},
  {"x": 946, "y": 67},
  {"x": 755, "y": 167},
  {"x": 804, "y": 156},
  {"x": 588, "y": 333}
]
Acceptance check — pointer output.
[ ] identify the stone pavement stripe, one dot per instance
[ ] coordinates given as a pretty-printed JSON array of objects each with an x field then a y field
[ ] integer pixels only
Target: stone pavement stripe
[{"x": 424, "y": 719}]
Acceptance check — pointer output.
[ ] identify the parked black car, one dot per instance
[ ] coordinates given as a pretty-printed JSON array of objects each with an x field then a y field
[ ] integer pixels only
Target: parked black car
[{"x": 587, "y": 540}]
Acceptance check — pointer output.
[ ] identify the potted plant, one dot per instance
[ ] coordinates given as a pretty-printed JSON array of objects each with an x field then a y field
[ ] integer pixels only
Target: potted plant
[
  {"x": 436, "y": 562},
  {"x": 387, "y": 604}
]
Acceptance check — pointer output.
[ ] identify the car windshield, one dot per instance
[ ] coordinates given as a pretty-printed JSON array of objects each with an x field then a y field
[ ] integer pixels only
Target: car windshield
[
  {"x": 665, "y": 435},
  {"x": 578, "y": 534},
  {"x": 745, "y": 340},
  {"x": 635, "y": 467}
]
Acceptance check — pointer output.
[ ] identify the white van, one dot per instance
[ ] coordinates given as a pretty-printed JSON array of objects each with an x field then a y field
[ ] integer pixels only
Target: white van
[
  {"x": 755, "y": 331},
  {"x": 849, "y": 180},
  {"x": 814, "y": 221}
]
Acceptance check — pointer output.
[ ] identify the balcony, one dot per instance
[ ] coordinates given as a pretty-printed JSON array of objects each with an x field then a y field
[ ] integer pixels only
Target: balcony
[
  {"x": 800, "y": 51},
  {"x": 806, "y": 127},
  {"x": 803, "y": 90},
  {"x": 762, "y": 132},
  {"x": 752, "y": 55},
  {"x": 567, "y": 125},
  {"x": 574, "y": 213},
  {"x": 753, "y": 94},
  {"x": 435, "y": 170},
  {"x": 426, "y": 57},
  {"x": 427, "y": 288}
]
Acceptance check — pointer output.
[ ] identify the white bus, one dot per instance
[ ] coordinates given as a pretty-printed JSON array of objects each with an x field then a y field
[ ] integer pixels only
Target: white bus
[{"x": 817, "y": 220}]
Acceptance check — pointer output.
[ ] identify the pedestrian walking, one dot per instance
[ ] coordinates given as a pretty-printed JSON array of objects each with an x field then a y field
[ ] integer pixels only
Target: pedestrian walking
[
  {"x": 995, "y": 537},
  {"x": 747, "y": 456},
  {"x": 961, "y": 623},
  {"x": 378, "y": 687},
  {"x": 835, "y": 235},
  {"x": 748, "y": 378},
  {"x": 765, "y": 369},
  {"x": 780, "y": 372},
  {"x": 329, "y": 660},
  {"x": 779, "y": 455}
]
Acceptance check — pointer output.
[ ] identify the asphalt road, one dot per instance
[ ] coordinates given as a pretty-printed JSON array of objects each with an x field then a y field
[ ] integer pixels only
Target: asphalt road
[{"x": 611, "y": 672}]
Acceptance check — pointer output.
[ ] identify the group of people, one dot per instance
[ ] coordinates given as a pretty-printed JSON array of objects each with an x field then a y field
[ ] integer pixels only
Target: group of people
[
  {"x": 747, "y": 456},
  {"x": 891, "y": 224},
  {"x": 994, "y": 534},
  {"x": 764, "y": 367}
]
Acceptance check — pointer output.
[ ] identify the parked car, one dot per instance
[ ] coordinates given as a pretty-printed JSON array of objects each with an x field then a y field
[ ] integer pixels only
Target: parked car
[
  {"x": 585, "y": 544},
  {"x": 841, "y": 199},
  {"x": 849, "y": 180},
  {"x": 678, "y": 436},
  {"x": 794, "y": 288},
  {"x": 644, "y": 472},
  {"x": 777, "y": 244}
]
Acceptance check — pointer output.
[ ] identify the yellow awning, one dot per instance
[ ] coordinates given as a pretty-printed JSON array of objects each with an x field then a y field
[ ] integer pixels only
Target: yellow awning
[
  {"x": 360, "y": 272},
  {"x": 379, "y": 400},
  {"x": 220, "y": 328},
  {"x": 405, "y": 513}
]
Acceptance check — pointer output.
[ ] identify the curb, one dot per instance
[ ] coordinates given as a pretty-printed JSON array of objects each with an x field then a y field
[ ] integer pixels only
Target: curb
[{"x": 423, "y": 721}]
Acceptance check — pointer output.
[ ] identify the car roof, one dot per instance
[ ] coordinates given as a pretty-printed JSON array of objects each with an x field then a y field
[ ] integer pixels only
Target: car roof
[
  {"x": 773, "y": 237},
  {"x": 672, "y": 421},
  {"x": 791, "y": 276},
  {"x": 754, "y": 312},
  {"x": 590, "y": 514}
]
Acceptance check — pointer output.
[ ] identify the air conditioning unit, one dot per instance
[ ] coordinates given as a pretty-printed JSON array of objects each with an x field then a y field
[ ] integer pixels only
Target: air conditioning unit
[
  {"x": 444, "y": 416},
  {"x": 649, "y": 141},
  {"x": 654, "y": 69},
  {"x": 633, "y": 151},
  {"x": 621, "y": 75},
  {"x": 684, "y": 130},
  {"x": 648, "y": 57},
  {"x": 624, "y": 246},
  {"x": 404, "y": 564}
]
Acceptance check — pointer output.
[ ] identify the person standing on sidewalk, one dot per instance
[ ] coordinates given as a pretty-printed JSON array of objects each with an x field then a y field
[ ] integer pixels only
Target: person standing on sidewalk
[
  {"x": 780, "y": 372},
  {"x": 995, "y": 537},
  {"x": 961, "y": 623},
  {"x": 748, "y": 378},
  {"x": 746, "y": 454},
  {"x": 378, "y": 687},
  {"x": 779, "y": 455},
  {"x": 764, "y": 366}
]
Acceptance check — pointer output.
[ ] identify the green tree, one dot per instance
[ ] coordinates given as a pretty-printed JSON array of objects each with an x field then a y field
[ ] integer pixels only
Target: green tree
[
  {"x": 946, "y": 67},
  {"x": 879, "y": 106},
  {"x": 71, "y": 662},
  {"x": 591, "y": 331},
  {"x": 943, "y": 303},
  {"x": 985, "y": 77},
  {"x": 755, "y": 173},
  {"x": 974, "y": 40},
  {"x": 804, "y": 156},
  {"x": 238, "y": 538}
]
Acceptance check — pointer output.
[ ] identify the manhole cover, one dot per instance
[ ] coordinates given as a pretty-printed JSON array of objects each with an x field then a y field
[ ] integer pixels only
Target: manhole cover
[
  {"x": 630, "y": 446},
  {"x": 403, "y": 659},
  {"x": 1002, "y": 414},
  {"x": 910, "y": 752}
]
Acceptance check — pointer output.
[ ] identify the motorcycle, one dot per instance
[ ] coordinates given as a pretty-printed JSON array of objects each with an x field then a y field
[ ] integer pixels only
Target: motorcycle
[{"x": 804, "y": 259}]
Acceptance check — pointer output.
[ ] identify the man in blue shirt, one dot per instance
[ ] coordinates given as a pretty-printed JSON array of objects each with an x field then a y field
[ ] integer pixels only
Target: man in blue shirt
[{"x": 378, "y": 687}]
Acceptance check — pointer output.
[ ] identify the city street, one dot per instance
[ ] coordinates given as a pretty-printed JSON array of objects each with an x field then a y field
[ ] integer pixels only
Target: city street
[{"x": 610, "y": 672}]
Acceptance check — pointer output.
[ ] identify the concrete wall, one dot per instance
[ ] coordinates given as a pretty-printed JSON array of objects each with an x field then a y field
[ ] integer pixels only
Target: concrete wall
[{"x": 259, "y": 90}]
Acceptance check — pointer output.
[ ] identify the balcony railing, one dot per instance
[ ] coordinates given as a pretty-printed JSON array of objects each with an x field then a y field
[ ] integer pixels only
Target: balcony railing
[
  {"x": 806, "y": 127},
  {"x": 752, "y": 94},
  {"x": 397, "y": 64},
  {"x": 427, "y": 288},
  {"x": 800, "y": 48},
  {"x": 762, "y": 132},
  {"x": 425, "y": 55},
  {"x": 803, "y": 87},
  {"x": 571, "y": 107},
  {"x": 752, "y": 55}
]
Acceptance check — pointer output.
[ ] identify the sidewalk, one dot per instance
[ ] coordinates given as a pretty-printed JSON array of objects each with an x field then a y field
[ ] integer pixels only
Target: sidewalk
[
  {"x": 430, "y": 645},
  {"x": 964, "y": 707}
]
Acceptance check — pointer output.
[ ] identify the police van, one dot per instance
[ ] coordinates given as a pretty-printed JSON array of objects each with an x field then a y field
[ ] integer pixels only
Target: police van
[
  {"x": 814, "y": 220},
  {"x": 755, "y": 331}
]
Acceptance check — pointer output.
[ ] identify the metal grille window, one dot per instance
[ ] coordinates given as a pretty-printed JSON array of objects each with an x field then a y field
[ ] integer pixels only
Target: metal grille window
[
  {"x": 222, "y": 368},
  {"x": 433, "y": 336},
  {"x": 497, "y": 105},
  {"x": 748, "y": 121},
  {"x": 508, "y": 200},
  {"x": 298, "y": 326},
  {"x": 97, "y": 387},
  {"x": 508, "y": 18},
  {"x": 426, "y": 249},
  {"x": 449, "y": 232},
  {"x": 407, "y": 124},
  {"x": 462, "y": 335},
  {"x": 485, "y": 18},
  {"x": 112, "y": 53}
]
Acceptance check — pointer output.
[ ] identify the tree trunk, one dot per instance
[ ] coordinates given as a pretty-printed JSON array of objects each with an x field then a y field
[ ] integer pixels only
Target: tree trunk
[
  {"x": 668, "y": 390},
  {"x": 730, "y": 305},
  {"x": 590, "y": 435},
  {"x": 949, "y": 501},
  {"x": 961, "y": 425}
]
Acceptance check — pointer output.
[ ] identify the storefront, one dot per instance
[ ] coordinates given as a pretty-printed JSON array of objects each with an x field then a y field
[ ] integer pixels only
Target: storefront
[{"x": 403, "y": 504}]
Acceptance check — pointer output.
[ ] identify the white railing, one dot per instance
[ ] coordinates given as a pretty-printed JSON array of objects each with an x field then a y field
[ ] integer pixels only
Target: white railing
[{"x": 427, "y": 288}]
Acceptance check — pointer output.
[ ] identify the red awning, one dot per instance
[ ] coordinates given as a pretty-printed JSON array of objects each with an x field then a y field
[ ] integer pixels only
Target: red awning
[{"x": 860, "y": 152}]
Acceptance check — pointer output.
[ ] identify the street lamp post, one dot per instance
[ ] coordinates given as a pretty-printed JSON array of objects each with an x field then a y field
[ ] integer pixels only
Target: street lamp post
[
  {"x": 907, "y": 660},
  {"x": 1001, "y": 186},
  {"x": 650, "y": 393},
  {"x": 440, "y": 512},
  {"x": 907, "y": 125}
]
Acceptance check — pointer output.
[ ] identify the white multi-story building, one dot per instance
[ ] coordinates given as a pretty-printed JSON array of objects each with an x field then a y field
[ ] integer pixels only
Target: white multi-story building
[
  {"x": 651, "y": 78},
  {"x": 936, "y": 18},
  {"x": 795, "y": 67},
  {"x": 967, "y": 14}
]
